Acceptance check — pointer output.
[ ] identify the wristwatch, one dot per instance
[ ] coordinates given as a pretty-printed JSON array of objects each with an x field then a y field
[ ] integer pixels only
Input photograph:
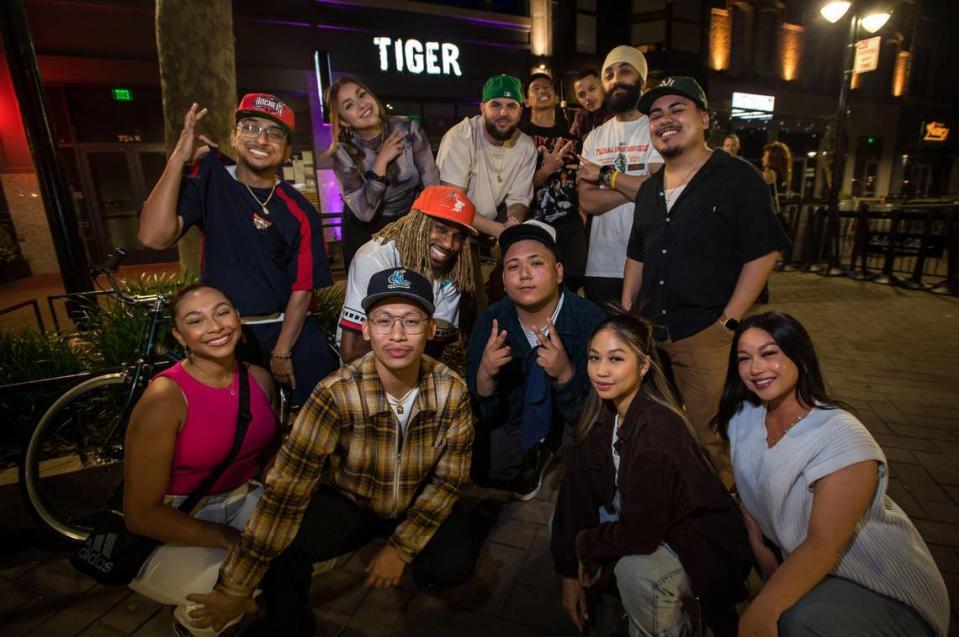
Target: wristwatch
[
  {"x": 372, "y": 176},
  {"x": 605, "y": 174},
  {"x": 729, "y": 322}
]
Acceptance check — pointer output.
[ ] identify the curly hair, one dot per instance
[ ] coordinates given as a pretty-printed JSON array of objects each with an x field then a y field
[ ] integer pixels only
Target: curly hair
[
  {"x": 780, "y": 161},
  {"x": 411, "y": 234}
]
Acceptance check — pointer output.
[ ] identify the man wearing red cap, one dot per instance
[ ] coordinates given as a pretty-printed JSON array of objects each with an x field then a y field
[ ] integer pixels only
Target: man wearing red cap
[
  {"x": 263, "y": 241},
  {"x": 429, "y": 240}
]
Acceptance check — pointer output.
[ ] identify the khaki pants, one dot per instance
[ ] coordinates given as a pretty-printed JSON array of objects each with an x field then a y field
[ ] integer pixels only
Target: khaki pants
[{"x": 699, "y": 368}]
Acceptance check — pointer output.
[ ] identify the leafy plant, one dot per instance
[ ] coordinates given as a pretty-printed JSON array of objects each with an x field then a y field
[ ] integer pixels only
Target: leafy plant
[{"x": 328, "y": 302}]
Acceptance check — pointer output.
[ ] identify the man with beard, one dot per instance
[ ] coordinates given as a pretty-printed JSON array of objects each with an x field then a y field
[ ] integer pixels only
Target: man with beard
[
  {"x": 703, "y": 244},
  {"x": 488, "y": 158},
  {"x": 617, "y": 158},
  {"x": 555, "y": 201},
  {"x": 588, "y": 88},
  {"x": 428, "y": 240},
  {"x": 263, "y": 241}
]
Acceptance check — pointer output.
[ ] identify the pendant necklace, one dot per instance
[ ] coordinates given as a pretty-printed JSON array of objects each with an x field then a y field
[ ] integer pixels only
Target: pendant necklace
[
  {"x": 772, "y": 440},
  {"x": 263, "y": 203},
  {"x": 208, "y": 382},
  {"x": 397, "y": 403}
]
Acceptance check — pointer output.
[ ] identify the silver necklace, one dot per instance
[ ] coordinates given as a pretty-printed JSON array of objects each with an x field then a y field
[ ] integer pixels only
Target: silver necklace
[
  {"x": 772, "y": 440},
  {"x": 671, "y": 200}
]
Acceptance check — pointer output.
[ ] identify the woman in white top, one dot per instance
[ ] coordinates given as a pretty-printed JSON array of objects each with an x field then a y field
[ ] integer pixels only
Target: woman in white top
[{"x": 813, "y": 481}]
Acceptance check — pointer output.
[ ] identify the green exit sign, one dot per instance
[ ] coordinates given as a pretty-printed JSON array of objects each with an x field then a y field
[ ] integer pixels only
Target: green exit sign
[{"x": 122, "y": 94}]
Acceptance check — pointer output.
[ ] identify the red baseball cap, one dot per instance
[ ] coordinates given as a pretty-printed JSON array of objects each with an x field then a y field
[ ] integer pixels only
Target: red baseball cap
[
  {"x": 268, "y": 106},
  {"x": 448, "y": 204}
]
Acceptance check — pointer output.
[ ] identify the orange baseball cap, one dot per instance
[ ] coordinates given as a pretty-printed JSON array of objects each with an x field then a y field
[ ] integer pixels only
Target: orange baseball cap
[{"x": 448, "y": 204}]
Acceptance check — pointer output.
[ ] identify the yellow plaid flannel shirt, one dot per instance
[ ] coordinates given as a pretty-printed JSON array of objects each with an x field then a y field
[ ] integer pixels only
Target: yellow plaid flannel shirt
[{"x": 346, "y": 436}]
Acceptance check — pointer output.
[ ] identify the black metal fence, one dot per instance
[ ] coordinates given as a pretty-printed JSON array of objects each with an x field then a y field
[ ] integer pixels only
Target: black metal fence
[{"x": 913, "y": 245}]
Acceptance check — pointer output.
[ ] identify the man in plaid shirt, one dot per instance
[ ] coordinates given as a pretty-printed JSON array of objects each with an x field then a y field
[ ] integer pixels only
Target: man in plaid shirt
[{"x": 381, "y": 449}]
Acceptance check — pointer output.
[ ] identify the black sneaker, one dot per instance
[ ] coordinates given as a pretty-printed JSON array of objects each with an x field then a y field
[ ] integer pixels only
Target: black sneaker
[{"x": 530, "y": 480}]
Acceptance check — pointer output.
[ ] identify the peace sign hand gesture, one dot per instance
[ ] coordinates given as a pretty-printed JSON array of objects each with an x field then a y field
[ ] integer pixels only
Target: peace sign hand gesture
[
  {"x": 552, "y": 356},
  {"x": 496, "y": 354},
  {"x": 554, "y": 160}
]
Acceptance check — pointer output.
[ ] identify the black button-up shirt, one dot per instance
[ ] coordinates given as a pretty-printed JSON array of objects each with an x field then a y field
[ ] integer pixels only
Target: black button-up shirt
[{"x": 693, "y": 253}]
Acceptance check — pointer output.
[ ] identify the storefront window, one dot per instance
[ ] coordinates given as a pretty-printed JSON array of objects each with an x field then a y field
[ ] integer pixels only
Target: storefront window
[{"x": 865, "y": 176}]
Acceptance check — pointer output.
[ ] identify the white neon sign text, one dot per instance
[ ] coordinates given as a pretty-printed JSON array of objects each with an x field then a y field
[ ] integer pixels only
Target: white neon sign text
[{"x": 435, "y": 58}]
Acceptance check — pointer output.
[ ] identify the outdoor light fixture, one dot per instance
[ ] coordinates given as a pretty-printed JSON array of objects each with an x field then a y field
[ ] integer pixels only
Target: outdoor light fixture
[
  {"x": 874, "y": 21},
  {"x": 811, "y": 154},
  {"x": 834, "y": 11}
]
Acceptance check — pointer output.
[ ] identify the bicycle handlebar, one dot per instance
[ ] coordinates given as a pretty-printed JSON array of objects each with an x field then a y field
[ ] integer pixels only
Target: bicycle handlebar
[{"x": 109, "y": 269}]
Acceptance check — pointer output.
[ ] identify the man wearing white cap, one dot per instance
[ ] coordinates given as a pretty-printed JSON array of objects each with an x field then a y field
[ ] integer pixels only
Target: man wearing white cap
[{"x": 617, "y": 158}]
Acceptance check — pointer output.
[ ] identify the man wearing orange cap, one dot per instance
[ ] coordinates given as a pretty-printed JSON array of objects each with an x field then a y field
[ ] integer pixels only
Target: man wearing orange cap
[
  {"x": 429, "y": 240},
  {"x": 262, "y": 240}
]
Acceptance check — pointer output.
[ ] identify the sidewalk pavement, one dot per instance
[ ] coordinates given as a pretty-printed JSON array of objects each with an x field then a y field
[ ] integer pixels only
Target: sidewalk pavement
[{"x": 892, "y": 354}]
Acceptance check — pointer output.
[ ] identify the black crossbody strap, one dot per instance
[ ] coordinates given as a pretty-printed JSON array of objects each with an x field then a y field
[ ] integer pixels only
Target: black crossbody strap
[{"x": 243, "y": 418}]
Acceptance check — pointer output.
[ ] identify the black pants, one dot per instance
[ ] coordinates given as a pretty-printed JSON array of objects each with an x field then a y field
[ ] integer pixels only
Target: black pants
[
  {"x": 334, "y": 525},
  {"x": 313, "y": 358},
  {"x": 601, "y": 290}
]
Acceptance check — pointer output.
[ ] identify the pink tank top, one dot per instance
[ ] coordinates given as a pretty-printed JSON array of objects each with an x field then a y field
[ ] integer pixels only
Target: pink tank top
[{"x": 207, "y": 436}]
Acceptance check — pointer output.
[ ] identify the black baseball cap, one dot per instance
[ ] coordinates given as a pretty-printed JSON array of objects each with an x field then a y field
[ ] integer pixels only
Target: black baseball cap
[
  {"x": 399, "y": 282},
  {"x": 673, "y": 85},
  {"x": 532, "y": 229}
]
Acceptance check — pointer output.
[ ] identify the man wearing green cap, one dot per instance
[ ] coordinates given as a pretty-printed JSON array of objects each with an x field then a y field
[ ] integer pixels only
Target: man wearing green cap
[
  {"x": 704, "y": 241},
  {"x": 617, "y": 158},
  {"x": 490, "y": 159}
]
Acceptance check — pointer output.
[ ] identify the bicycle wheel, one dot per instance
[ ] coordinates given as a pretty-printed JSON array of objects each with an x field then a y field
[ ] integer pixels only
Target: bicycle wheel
[{"x": 73, "y": 464}]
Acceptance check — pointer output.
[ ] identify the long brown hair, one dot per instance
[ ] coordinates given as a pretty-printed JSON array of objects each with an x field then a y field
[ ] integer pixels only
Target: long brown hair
[
  {"x": 637, "y": 334},
  {"x": 780, "y": 162},
  {"x": 341, "y": 134},
  {"x": 411, "y": 235}
]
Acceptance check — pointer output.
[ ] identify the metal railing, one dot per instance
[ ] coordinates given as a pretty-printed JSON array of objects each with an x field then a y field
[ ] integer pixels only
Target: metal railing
[{"x": 903, "y": 245}]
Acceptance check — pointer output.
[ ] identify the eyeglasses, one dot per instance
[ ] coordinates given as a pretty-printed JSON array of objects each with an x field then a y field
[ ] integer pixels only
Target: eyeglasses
[
  {"x": 383, "y": 324},
  {"x": 273, "y": 133}
]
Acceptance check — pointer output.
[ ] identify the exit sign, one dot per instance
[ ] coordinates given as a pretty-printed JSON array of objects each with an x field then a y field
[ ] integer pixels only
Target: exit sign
[{"x": 122, "y": 94}]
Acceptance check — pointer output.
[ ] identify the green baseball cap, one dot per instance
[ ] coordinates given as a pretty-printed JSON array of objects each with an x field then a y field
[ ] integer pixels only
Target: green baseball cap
[
  {"x": 674, "y": 85},
  {"x": 503, "y": 86}
]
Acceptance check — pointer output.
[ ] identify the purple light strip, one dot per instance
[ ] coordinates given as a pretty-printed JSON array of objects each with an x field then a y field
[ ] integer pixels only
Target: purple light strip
[{"x": 490, "y": 22}]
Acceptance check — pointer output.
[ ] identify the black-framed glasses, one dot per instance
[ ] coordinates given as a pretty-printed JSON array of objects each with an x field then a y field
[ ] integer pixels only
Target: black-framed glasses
[
  {"x": 383, "y": 324},
  {"x": 273, "y": 133}
]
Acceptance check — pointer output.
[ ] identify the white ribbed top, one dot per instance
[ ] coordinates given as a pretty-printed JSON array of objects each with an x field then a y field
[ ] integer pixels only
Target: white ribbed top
[{"x": 887, "y": 555}]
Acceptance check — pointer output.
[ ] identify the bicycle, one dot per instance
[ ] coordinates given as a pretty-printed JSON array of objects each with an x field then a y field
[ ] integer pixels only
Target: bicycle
[{"x": 73, "y": 463}]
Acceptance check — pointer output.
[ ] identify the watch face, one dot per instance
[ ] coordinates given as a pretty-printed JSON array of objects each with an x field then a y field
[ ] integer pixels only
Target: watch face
[{"x": 732, "y": 324}]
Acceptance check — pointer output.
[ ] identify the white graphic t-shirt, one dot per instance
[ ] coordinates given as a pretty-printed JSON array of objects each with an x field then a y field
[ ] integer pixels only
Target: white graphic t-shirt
[
  {"x": 627, "y": 147},
  {"x": 375, "y": 256}
]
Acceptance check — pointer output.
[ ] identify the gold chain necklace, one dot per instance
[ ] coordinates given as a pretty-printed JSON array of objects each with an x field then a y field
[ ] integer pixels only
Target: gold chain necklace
[
  {"x": 692, "y": 171},
  {"x": 263, "y": 203},
  {"x": 772, "y": 440},
  {"x": 397, "y": 403},
  {"x": 206, "y": 380}
]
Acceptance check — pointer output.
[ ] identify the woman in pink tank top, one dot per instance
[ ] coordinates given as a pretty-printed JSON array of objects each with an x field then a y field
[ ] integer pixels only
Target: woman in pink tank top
[{"x": 181, "y": 429}]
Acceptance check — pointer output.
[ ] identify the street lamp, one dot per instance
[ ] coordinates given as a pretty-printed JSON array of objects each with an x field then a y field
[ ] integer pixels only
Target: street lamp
[
  {"x": 833, "y": 12},
  {"x": 871, "y": 22}
]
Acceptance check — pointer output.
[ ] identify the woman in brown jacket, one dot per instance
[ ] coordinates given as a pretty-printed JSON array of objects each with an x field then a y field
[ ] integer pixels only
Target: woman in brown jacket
[{"x": 640, "y": 500}]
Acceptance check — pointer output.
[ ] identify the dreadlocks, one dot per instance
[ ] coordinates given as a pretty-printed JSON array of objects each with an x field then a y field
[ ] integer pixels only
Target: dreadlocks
[{"x": 411, "y": 234}]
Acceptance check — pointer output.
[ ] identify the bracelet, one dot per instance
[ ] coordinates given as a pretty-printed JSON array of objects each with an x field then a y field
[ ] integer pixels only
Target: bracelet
[
  {"x": 285, "y": 357},
  {"x": 370, "y": 175},
  {"x": 612, "y": 180}
]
